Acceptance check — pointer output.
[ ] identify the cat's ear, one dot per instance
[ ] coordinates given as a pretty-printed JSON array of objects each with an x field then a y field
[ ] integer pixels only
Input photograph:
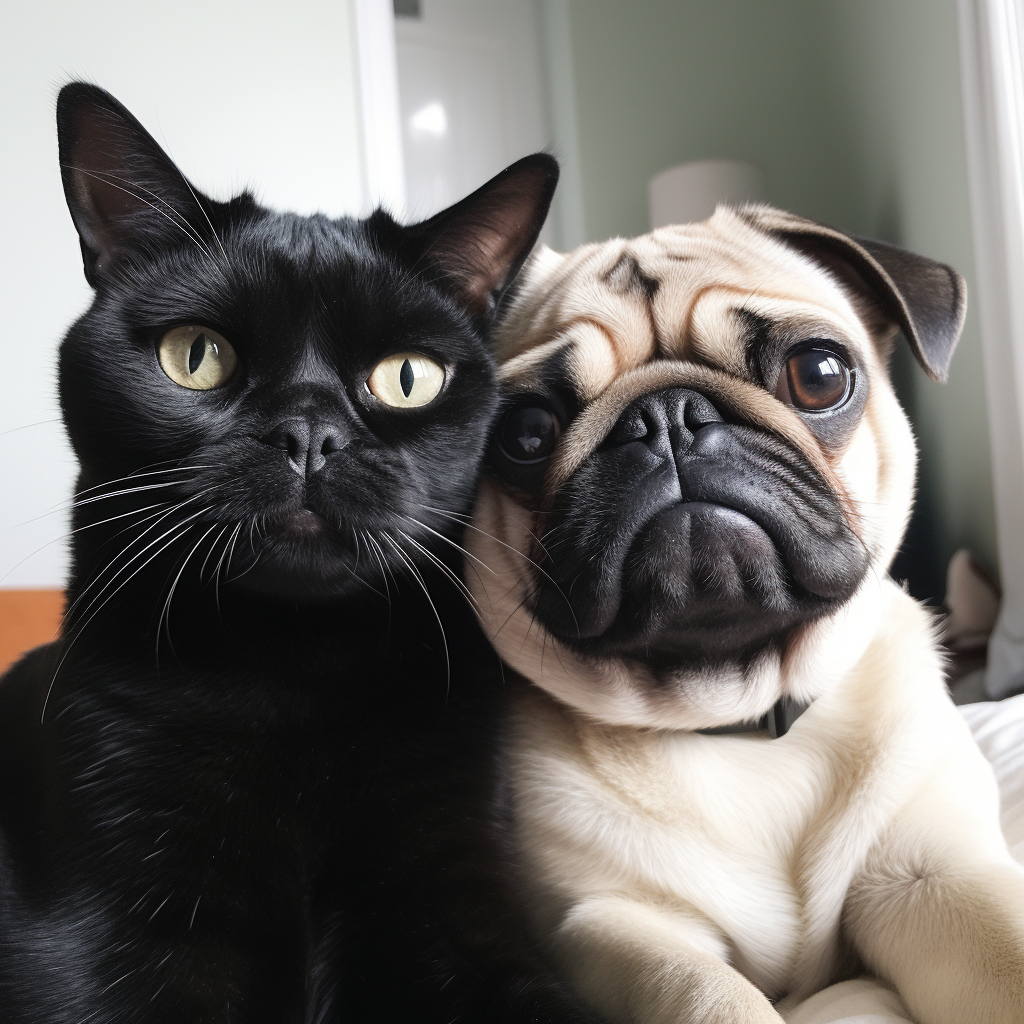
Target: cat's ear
[
  {"x": 122, "y": 189},
  {"x": 480, "y": 243}
]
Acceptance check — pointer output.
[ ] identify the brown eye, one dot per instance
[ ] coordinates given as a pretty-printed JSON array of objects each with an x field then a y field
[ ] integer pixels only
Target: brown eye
[
  {"x": 196, "y": 357},
  {"x": 406, "y": 380},
  {"x": 528, "y": 434},
  {"x": 814, "y": 379}
]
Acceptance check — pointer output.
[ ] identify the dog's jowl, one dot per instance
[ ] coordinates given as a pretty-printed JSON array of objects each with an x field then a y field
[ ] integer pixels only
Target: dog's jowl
[{"x": 738, "y": 774}]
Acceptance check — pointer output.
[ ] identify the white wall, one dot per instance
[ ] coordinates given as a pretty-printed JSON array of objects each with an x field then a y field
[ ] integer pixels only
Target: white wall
[
  {"x": 472, "y": 98},
  {"x": 261, "y": 95}
]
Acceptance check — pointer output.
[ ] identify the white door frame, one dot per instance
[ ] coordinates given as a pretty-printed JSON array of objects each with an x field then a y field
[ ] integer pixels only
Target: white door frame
[{"x": 374, "y": 22}]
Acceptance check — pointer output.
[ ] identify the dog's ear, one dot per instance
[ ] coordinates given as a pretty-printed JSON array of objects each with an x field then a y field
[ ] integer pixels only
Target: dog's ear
[{"x": 926, "y": 298}]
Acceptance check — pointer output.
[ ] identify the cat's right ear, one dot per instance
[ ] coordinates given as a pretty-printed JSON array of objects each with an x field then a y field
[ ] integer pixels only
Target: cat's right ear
[
  {"x": 122, "y": 189},
  {"x": 479, "y": 244}
]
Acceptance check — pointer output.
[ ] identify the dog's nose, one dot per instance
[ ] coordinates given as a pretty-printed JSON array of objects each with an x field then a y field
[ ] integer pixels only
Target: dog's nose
[
  {"x": 666, "y": 419},
  {"x": 307, "y": 442}
]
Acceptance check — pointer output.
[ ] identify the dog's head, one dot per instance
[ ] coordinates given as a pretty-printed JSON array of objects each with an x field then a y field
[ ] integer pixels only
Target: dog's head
[{"x": 701, "y": 471}]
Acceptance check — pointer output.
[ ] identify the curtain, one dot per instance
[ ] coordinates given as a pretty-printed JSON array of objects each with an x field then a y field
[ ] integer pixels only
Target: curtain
[{"x": 993, "y": 93}]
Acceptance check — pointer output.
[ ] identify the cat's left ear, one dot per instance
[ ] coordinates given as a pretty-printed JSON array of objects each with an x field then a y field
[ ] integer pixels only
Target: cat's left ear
[
  {"x": 124, "y": 192},
  {"x": 480, "y": 243}
]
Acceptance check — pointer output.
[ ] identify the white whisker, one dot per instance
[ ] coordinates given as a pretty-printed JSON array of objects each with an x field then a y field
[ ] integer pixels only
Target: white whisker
[{"x": 444, "y": 639}]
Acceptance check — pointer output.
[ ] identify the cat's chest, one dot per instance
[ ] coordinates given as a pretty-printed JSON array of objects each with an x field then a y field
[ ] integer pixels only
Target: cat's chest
[{"x": 209, "y": 752}]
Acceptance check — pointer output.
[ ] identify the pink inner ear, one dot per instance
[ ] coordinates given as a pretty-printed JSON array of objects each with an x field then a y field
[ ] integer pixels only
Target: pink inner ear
[
  {"x": 480, "y": 243},
  {"x": 101, "y": 156},
  {"x": 488, "y": 269}
]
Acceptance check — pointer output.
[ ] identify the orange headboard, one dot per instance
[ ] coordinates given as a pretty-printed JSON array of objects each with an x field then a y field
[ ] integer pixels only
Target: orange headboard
[{"x": 27, "y": 618}]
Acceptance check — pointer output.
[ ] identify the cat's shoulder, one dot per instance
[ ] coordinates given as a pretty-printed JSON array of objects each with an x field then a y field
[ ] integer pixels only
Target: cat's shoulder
[{"x": 21, "y": 681}]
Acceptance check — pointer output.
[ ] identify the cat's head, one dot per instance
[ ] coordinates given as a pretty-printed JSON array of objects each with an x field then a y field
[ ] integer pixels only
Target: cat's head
[{"x": 311, "y": 394}]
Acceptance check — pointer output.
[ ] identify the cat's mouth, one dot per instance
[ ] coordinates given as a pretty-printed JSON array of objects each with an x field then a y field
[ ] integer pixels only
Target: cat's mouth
[
  {"x": 304, "y": 523},
  {"x": 300, "y": 554}
]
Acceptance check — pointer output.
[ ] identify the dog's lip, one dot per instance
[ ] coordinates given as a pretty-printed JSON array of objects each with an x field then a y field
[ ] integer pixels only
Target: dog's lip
[{"x": 654, "y": 538}]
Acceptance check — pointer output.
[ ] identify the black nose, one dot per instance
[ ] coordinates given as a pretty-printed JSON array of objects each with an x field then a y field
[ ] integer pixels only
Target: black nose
[
  {"x": 665, "y": 421},
  {"x": 308, "y": 444}
]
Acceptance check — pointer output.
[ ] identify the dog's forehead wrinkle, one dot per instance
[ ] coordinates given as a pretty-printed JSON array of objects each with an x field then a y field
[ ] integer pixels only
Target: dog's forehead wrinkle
[{"x": 628, "y": 276}]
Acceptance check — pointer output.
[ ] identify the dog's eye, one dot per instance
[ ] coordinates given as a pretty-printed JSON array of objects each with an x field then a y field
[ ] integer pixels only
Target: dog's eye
[
  {"x": 528, "y": 433},
  {"x": 814, "y": 379}
]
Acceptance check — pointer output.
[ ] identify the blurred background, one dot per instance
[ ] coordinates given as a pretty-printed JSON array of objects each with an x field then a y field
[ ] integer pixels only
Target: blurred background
[{"x": 847, "y": 111}]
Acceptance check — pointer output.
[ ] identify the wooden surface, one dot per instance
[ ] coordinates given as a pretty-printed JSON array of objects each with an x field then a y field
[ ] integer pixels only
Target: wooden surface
[{"x": 27, "y": 618}]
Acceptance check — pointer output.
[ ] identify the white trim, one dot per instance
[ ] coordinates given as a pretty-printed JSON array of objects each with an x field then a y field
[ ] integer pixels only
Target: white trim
[
  {"x": 379, "y": 105},
  {"x": 993, "y": 94}
]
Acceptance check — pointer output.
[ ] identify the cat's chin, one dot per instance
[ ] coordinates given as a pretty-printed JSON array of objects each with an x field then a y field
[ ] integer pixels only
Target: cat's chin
[{"x": 300, "y": 557}]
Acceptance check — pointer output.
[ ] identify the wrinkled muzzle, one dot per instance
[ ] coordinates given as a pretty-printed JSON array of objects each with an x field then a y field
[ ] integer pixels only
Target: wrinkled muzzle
[{"x": 691, "y": 533}]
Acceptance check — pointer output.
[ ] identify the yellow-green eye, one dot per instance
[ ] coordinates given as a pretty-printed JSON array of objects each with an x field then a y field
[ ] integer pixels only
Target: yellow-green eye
[
  {"x": 196, "y": 357},
  {"x": 406, "y": 380}
]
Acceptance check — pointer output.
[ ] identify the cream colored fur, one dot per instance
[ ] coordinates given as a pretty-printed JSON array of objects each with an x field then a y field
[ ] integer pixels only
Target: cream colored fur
[{"x": 681, "y": 877}]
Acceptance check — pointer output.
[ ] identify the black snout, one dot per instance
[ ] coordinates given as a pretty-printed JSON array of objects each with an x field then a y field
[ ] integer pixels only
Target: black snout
[
  {"x": 685, "y": 537},
  {"x": 308, "y": 443},
  {"x": 666, "y": 421}
]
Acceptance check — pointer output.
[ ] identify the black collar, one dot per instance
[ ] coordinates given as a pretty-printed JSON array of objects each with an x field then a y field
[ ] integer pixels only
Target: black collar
[{"x": 776, "y": 722}]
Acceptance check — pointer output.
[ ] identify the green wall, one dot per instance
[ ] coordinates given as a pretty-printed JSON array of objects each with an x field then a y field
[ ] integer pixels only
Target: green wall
[{"x": 852, "y": 107}]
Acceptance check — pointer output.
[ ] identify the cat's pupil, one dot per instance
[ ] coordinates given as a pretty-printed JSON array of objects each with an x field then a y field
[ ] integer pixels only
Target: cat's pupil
[
  {"x": 406, "y": 378},
  {"x": 197, "y": 351}
]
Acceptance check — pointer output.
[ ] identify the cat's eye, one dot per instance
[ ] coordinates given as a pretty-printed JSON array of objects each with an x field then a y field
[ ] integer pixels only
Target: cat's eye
[
  {"x": 528, "y": 432},
  {"x": 406, "y": 380},
  {"x": 197, "y": 357},
  {"x": 814, "y": 379}
]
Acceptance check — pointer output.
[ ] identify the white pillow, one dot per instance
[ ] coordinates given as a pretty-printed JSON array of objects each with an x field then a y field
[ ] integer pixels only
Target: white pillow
[{"x": 999, "y": 729}]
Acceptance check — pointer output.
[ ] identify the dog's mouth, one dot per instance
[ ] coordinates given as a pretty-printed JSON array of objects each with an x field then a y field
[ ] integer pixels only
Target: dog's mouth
[{"x": 702, "y": 546}]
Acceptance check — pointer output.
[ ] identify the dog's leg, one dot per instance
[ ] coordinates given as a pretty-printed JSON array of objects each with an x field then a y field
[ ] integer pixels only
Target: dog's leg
[
  {"x": 940, "y": 914},
  {"x": 647, "y": 965}
]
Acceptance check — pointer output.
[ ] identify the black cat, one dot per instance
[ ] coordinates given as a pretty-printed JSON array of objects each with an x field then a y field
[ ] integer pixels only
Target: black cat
[{"x": 255, "y": 780}]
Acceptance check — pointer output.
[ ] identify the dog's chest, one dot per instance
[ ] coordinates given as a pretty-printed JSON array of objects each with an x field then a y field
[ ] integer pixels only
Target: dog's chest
[{"x": 725, "y": 830}]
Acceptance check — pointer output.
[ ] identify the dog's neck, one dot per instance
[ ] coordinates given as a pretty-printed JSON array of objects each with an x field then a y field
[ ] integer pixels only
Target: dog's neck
[{"x": 776, "y": 721}]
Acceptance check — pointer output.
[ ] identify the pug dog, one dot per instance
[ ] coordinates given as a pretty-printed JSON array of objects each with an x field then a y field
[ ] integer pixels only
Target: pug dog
[{"x": 737, "y": 776}]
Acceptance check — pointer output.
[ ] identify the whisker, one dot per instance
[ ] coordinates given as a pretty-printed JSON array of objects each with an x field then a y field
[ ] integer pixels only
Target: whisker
[
  {"x": 73, "y": 502},
  {"x": 444, "y": 639},
  {"x": 213, "y": 547},
  {"x": 162, "y": 504},
  {"x": 234, "y": 542},
  {"x": 378, "y": 553},
  {"x": 463, "y": 589},
  {"x": 181, "y": 223},
  {"x": 165, "y": 612},
  {"x": 516, "y": 551},
  {"x": 97, "y": 578},
  {"x": 121, "y": 586},
  {"x": 220, "y": 562},
  {"x": 458, "y": 547},
  {"x": 149, "y": 470},
  {"x": 25, "y": 426},
  {"x": 206, "y": 217},
  {"x": 159, "y": 519}
]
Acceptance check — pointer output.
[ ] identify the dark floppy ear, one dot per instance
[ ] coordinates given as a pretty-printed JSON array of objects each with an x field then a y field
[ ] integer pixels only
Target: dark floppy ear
[
  {"x": 122, "y": 189},
  {"x": 480, "y": 243},
  {"x": 926, "y": 298}
]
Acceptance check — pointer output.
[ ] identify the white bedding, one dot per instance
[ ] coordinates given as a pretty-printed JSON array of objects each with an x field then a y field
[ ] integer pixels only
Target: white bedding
[{"x": 999, "y": 730}]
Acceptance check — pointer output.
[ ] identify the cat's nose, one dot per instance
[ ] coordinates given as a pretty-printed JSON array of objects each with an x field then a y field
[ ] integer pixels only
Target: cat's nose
[{"x": 308, "y": 444}]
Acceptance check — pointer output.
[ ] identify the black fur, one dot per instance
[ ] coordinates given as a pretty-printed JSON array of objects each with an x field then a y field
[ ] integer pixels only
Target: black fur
[{"x": 253, "y": 781}]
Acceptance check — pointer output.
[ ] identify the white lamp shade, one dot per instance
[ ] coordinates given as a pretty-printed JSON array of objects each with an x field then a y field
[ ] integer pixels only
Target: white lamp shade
[{"x": 691, "y": 191}]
